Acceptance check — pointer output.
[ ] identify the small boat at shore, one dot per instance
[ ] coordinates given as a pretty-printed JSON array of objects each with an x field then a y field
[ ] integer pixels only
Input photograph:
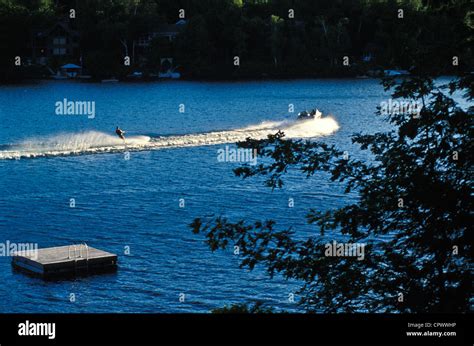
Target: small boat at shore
[
  {"x": 395, "y": 73},
  {"x": 110, "y": 80}
]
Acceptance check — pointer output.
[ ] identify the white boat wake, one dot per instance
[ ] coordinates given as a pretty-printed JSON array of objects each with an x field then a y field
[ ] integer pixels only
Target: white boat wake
[{"x": 92, "y": 142}]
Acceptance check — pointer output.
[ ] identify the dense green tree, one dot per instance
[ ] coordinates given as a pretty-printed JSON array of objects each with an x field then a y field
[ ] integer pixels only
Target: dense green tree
[
  {"x": 194, "y": 47},
  {"x": 261, "y": 33},
  {"x": 18, "y": 22}
]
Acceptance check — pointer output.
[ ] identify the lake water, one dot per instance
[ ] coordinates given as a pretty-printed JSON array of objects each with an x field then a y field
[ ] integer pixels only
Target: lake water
[{"x": 47, "y": 159}]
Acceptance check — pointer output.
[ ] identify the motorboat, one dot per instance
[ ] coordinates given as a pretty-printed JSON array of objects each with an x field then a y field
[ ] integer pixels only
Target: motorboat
[{"x": 313, "y": 114}]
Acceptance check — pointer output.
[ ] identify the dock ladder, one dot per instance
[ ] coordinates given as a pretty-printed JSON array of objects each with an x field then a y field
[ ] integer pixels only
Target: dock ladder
[{"x": 79, "y": 258}]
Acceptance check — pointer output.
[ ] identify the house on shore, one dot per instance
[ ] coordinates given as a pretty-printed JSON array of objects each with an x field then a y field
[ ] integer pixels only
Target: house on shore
[
  {"x": 60, "y": 41},
  {"x": 165, "y": 36}
]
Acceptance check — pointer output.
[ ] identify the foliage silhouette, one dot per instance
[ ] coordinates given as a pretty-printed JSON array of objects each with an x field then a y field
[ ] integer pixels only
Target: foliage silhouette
[{"x": 415, "y": 193}]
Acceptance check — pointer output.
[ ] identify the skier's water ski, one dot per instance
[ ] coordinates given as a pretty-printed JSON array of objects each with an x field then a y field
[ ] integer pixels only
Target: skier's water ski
[{"x": 120, "y": 133}]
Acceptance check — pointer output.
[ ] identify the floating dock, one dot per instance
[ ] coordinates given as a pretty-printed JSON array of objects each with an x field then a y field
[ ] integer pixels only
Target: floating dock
[{"x": 71, "y": 260}]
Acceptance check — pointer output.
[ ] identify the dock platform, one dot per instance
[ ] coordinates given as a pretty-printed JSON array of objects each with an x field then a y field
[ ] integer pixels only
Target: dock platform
[{"x": 70, "y": 260}]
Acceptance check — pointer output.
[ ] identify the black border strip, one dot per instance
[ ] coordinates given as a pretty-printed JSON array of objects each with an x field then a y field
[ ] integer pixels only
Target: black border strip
[{"x": 290, "y": 329}]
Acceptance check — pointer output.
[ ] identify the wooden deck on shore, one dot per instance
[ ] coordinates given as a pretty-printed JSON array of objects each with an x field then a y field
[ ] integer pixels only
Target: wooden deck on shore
[{"x": 77, "y": 259}]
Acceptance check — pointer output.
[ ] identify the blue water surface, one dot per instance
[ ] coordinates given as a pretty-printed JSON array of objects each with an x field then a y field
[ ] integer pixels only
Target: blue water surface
[{"x": 134, "y": 203}]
